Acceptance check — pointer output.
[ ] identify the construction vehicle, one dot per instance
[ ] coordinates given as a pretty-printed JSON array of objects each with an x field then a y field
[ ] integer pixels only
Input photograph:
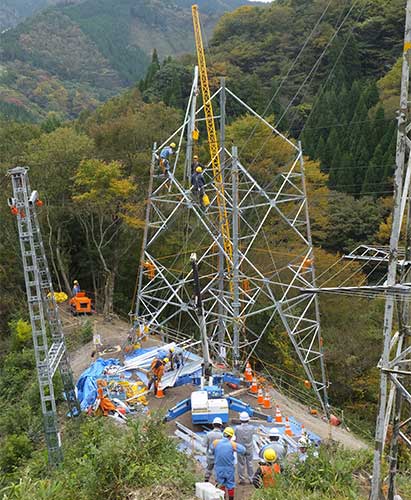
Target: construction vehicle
[{"x": 80, "y": 304}]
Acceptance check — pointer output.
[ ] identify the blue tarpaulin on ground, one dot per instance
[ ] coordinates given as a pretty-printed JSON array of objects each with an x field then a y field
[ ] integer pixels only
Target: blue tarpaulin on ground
[{"x": 87, "y": 383}]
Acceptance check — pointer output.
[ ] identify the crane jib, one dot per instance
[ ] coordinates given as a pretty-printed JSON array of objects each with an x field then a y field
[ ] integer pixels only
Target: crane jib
[{"x": 213, "y": 145}]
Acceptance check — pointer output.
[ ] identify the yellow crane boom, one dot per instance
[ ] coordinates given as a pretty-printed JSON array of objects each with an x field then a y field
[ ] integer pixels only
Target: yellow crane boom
[{"x": 213, "y": 143}]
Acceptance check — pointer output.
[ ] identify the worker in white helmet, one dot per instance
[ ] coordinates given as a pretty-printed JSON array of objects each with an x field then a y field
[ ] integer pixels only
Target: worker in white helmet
[
  {"x": 244, "y": 435},
  {"x": 211, "y": 436},
  {"x": 276, "y": 443},
  {"x": 303, "y": 445},
  {"x": 76, "y": 287},
  {"x": 305, "y": 449}
]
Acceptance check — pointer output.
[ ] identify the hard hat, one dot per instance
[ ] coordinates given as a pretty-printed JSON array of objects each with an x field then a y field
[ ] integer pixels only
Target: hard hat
[
  {"x": 270, "y": 455},
  {"x": 244, "y": 416},
  {"x": 199, "y": 170},
  {"x": 195, "y": 157},
  {"x": 303, "y": 442},
  {"x": 217, "y": 421},
  {"x": 171, "y": 349},
  {"x": 173, "y": 145},
  {"x": 273, "y": 432},
  {"x": 75, "y": 282},
  {"x": 229, "y": 431},
  {"x": 165, "y": 360}
]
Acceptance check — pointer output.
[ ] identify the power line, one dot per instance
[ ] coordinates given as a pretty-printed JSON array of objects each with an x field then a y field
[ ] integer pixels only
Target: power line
[
  {"x": 331, "y": 73},
  {"x": 317, "y": 63},
  {"x": 289, "y": 70},
  {"x": 342, "y": 124}
]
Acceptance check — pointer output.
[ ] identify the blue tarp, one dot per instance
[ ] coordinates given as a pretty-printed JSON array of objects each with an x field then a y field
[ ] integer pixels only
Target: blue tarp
[{"x": 87, "y": 385}]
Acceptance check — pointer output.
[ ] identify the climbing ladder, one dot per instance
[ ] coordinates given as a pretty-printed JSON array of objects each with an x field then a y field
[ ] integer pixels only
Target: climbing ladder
[{"x": 43, "y": 311}]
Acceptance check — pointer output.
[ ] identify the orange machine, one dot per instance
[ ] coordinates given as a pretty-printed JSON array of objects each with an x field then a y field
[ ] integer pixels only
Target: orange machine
[{"x": 80, "y": 304}]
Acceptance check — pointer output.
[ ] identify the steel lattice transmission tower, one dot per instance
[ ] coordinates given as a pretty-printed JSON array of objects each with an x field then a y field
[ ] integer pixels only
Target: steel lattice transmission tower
[
  {"x": 43, "y": 312},
  {"x": 395, "y": 363},
  {"x": 258, "y": 289}
]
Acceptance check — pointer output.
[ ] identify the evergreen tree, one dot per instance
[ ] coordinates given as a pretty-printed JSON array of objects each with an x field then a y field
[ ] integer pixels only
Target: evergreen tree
[
  {"x": 361, "y": 160},
  {"x": 343, "y": 103},
  {"x": 353, "y": 99},
  {"x": 371, "y": 96},
  {"x": 389, "y": 163},
  {"x": 345, "y": 175},
  {"x": 379, "y": 129},
  {"x": 389, "y": 135},
  {"x": 329, "y": 152},
  {"x": 374, "y": 182},
  {"x": 320, "y": 149},
  {"x": 335, "y": 169},
  {"x": 152, "y": 70}
]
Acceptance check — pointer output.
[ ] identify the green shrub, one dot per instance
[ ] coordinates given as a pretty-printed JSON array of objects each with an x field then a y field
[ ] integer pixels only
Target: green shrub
[
  {"x": 86, "y": 332},
  {"x": 79, "y": 336},
  {"x": 20, "y": 333},
  {"x": 104, "y": 460},
  {"x": 330, "y": 476},
  {"x": 14, "y": 449}
]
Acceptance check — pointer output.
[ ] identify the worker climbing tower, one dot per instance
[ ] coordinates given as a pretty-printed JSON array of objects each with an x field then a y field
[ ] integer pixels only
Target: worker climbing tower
[
  {"x": 248, "y": 288},
  {"x": 43, "y": 311}
]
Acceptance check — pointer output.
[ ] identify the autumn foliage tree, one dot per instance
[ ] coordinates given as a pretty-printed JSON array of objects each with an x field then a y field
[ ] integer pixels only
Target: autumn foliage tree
[{"x": 107, "y": 212}]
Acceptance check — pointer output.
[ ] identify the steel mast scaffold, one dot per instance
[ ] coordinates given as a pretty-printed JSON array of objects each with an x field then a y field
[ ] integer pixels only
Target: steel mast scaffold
[{"x": 43, "y": 311}]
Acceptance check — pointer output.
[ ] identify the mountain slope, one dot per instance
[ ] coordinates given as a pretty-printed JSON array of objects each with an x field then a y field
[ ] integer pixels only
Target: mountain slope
[
  {"x": 69, "y": 57},
  {"x": 14, "y": 11}
]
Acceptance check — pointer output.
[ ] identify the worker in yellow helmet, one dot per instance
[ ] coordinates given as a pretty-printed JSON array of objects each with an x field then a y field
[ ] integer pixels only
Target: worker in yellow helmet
[
  {"x": 165, "y": 155},
  {"x": 76, "y": 288},
  {"x": 195, "y": 163},
  {"x": 198, "y": 183},
  {"x": 264, "y": 476},
  {"x": 157, "y": 371},
  {"x": 224, "y": 467}
]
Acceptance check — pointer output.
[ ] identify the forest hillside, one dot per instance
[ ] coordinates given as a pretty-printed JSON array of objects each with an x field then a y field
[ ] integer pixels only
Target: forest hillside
[{"x": 72, "y": 56}]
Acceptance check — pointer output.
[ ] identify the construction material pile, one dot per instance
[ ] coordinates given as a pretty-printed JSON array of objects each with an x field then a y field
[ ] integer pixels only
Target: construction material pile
[{"x": 111, "y": 388}]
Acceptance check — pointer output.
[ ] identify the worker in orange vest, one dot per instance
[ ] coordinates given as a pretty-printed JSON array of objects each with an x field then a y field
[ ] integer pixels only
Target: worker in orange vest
[
  {"x": 264, "y": 476},
  {"x": 157, "y": 372}
]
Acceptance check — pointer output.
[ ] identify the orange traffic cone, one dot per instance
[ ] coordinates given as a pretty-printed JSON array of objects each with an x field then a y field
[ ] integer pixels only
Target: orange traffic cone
[
  {"x": 254, "y": 387},
  {"x": 248, "y": 373},
  {"x": 260, "y": 398},
  {"x": 278, "y": 416},
  {"x": 303, "y": 431},
  {"x": 267, "y": 401},
  {"x": 160, "y": 393},
  {"x": 288, "y": 430}
]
